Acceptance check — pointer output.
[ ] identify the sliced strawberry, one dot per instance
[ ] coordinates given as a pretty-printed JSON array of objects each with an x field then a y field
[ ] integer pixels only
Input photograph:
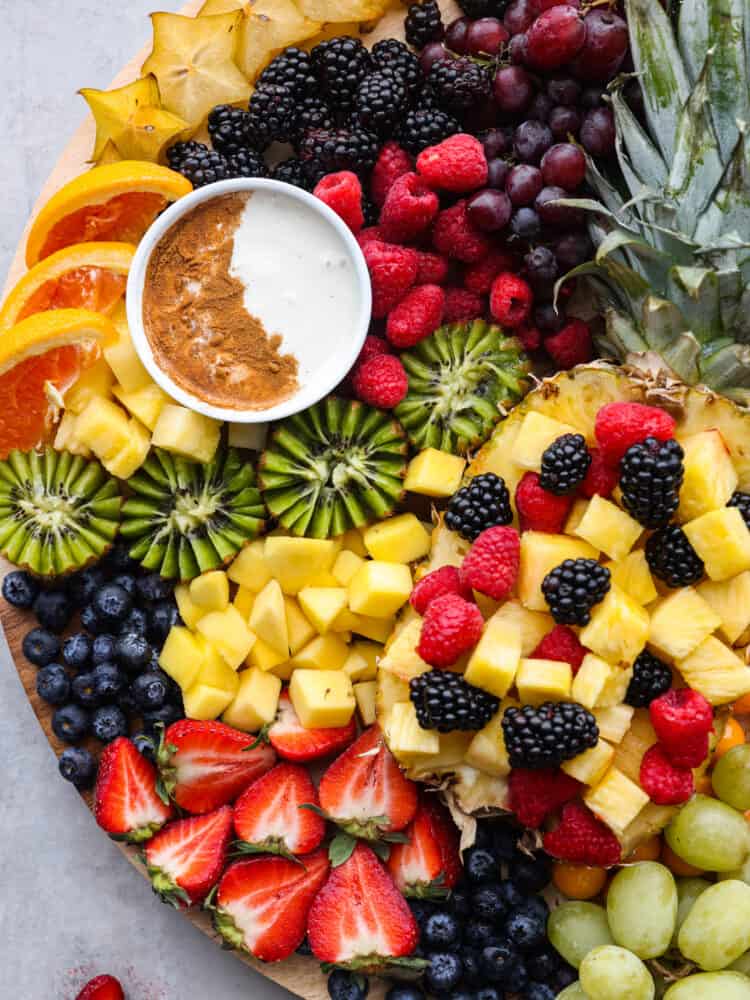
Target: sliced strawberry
[
  {"x": 204, "y": 765},
  {"x": 365, "y": 792},
  {"x": 429, "y": 865},
  {"x": 126, "y": 803},
  {"x": 186, "y": 859},
  {"x": 269, "y": 815},
  {"x": 102, "y": 988},
  {"x": 359, "y": 918},
  {"x": 262, "y": 903},
  {"x": 293, "y": 742}
]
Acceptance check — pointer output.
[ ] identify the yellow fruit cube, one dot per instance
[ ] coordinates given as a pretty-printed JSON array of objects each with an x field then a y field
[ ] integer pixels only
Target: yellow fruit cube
[
  {"x": 210, "y": 591},
  {"x": 265, "y": 657},
  {"x": 536, "y": 435},
  {"x": 146, "y": 404},
  {"x": 614, "y": 722},
  {"x": 94, "y": 381},
  {"x": 540, "y": 554},
  {"x": 268, "y": 618},
  {"x": 299, "y": 629},
  {"x": 216, "y": 672},
  {"x": 187, "y": 433},
  {"x": 543, "y": 680},
  {"x": 590, "y": 681},
  {"x": 591, "y": 765},
  {"x": 66, "y": 438},
  {"x": 716, "y": 672},
  {"x": 377, "y": 629},
  {"x": 204, "y": 703},
  {"x": 680, "y": 623},
  {"x": 616, "y": 800},
  {"x": 487, "y": 750},
  {"x": 362, "y": 662},
  {"x": 322, "y": 698},
  {"x": 435, "y": 473},
  {"x": 294, "y": 562},
  {"x": 722, "y": 541},
  {"x": 401, "y": 656},
  {"x": 250, "y": 569},
  {"x": 576, "y": 515},
  {"x": 632, "y": 574},
  {"x": 731, "y": 602},
  {"x": 244, "y": 600},
  {"x": 126, "y": 462},
  {"x": 710, "y": 477},
  {"x": 608, "y": 528},
  {"x": 364, "y": 694},
  {"x": 618, "y": 628},
  {"x": 346, "y": 565},
  {"x": 352, "y": 541},
  {"x": 326, "y": 652},
  {"x": 405, "y": 735},
  {"x": 616, "y": 687},
  {"x": 401, "y": 539},
  {"x": 256, "y": 701},
  {"x": 229, "y": 632},
  {"x": 323, "y": 579},
  {"x": 346, "y": 620},
  {"x": 123, "y": 359},
  {"x": 182, "y": 656},
  {"x": 391, "y": 690},
  {"x": 253, "y": 437},
  {"x": 533, "y": 625},
  {"x": 495, "y": 659},
  {"x": 356, "y": 666},
  {"x": 283, "y": 671},
  {"x": 322, "y": 605},
  {"x": 190, "y": 613},
  {"x": 104, "y": 428},
  {"x": 379, "y": 588}
]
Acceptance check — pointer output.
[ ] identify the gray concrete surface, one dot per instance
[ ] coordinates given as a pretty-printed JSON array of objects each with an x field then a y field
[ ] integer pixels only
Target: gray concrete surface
[{"x": 70, "y": 905}]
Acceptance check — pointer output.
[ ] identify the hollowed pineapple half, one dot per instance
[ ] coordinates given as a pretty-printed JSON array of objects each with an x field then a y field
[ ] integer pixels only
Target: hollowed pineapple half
[{"x": 472, "y": 768}]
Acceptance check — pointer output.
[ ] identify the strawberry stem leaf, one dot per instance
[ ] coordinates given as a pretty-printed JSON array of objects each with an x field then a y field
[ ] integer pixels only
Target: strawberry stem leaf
[{"x": 341, "y": 848}]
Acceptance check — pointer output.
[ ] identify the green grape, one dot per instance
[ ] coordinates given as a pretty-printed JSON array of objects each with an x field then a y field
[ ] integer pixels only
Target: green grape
[
  {"x": 688, "y": 890},
  {"x": 717, "y": 929},
  {"x": 572, "y": 992},
  {"x": 644, "y": 930},
  {"x": 709, "y": 834},
  {"x": 731, "y": 777},
  {"x": 710, "y": 986},
  {"x": 612, "y": 973},
  {"x": 742, "y": 873},
  {"x": 575, "y": 928},
  {"x": 742, "y": 964}
]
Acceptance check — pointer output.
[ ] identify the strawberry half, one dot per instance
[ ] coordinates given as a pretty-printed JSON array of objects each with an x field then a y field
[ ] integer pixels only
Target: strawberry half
[
  {"x": 102, "y": 988},
  {"x": 429, "y": 865},
  {"x": 261, "y": 904},
  {"x": 293, "y": 742},
  {"x": 186, "y": 859},
  {"x": 364, "y": 791},
  {"x": 126, "y": 803},
  {"x": 359, "y": 918},
  {"x": 204, "y": 765},
  {"x": 269, "y": 815}
]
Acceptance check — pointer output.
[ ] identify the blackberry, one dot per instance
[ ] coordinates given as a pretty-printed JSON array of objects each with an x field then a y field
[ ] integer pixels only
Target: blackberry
[
  {"x": 339, "y": 149},
  {"x": 565, "y": 464},
  {"x": 227, "y": 127},
  {"x": 313, "y": 112},
  {"x": 423, "y": 127},
  {"x": 573, "y": 588},
  {"x": 370, "y": 211},
  {"x": 340, "y": 64},
  {"x": 651, "y": 678},
  {"x": 246, "y": 163},
  {"x": 741, "y": 501},
  {"x": 392, "y": 56},
  {"x": 483, "y": 504},
  {"x": 672, "y": 558},
  {"x": 272, "y": 113},
  {"x": 380, "y": 102},
  {"x": 423, "y": 24},
  {"x": 474, "y": 9},
  {"x": 651, "y": 475},
  {"x": 292, "y": 69},
  {"x": 548, "y": 734},
  {"x": 458, "y": 84},
  {"x": 198, "y": 163},
  {"x": 444, "y": 701},
  {"x": 295, "y": 172}
]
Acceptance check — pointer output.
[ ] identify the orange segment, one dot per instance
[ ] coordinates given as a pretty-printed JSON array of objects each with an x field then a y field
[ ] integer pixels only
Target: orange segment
[
  {"x": 733, "y": 736},
  {"x": 125, "y": 217},
  {"x": 83, "y": 288}
]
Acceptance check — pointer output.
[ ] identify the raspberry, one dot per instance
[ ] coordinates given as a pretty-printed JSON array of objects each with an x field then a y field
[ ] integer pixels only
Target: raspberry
[
  {"x": 561, "y": 644},
  {"x": 620, "y": 425},
  {"x": 691, "y": 752},
  {"x": 461, "y": 306},
  {"x": 529, "y": 337},
  {"x": 445, "y": 580},
  {"x": 663, "y": 782},
  {"x": 533, "y": 795},
  {"x": 381, "y": 381},
  {"x": 491, "y": 564},
  {"x": 416, "y": 316},
  {"x": 571, "y": 346},
  {"x": 456, "y": 164},
  {"x": 432, "y": 268},
  {"x": 369, "y": 235},
  {"x": 410, "y": 206},
  {"x": 682, "y": 719},
  {"x": 582, "y": 838},
  {"x": 343, "y": 193},
  {"x": 392, "y": 162},
  {"x": 539, "y": 510},
  {"x": 511, "y": 300},
  {"x": 452, "y": 626},
  {"x": 479, "y": 277},
  {"x": 453, "y": 234},
  {"x": 372, "y": 347},
  {"x": 393, "y": 270},
  {"x": 601, "y": 477}
]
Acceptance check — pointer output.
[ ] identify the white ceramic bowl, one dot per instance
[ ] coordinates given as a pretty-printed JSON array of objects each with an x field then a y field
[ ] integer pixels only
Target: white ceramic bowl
[{"x": 317, "y": 383}]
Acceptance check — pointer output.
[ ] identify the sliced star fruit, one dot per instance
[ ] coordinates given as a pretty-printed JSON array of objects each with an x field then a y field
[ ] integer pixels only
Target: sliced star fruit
[
  {"x": 333, "y": 467},
  {"x": 186, "y": 518},
  {"x": 58, "y": 511}
]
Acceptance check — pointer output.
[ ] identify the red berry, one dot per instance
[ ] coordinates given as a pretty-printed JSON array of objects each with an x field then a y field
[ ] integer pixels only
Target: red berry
[
  {"x": 479, "y": 277},
  {"x": 410, "y": 206},
  {"x": 561, "y": 644},
  {"x": 392, "y": 162},
  {"x": 530, "y": 337},
  {"x": 663, "y": 782},
  {"x": 381, "y": 381},
  {"x": 533, "y": 795},
  {"x": 432, "y": 268},
  {"x": 601, "y": 477},
  {"x": 370, "y": 234},
  {"x": 511, "y": 300},
  {"x": 556, "y": 37},
  {"x": 416, "y": 316},
  {"x": 371, "y": 348},
  {"x": 620, "y": 425},
  {"x": 456, "y": 164},
  {"x": 491, "y": 564},
  {"x": 682, "y": 719},
  {"x": 539, "y": 510},
  {"x": 453, "y": 234},
  {"x": 393, "y": 270},
  {"x": 343, "y": 193},
  {"x": 451, "y": 627},
  {"x": 446, "y": 580},
  {"x": 462, "y": 305},
  {"x": 571, "y": 346},
  {"x": 582, "y": 838}
]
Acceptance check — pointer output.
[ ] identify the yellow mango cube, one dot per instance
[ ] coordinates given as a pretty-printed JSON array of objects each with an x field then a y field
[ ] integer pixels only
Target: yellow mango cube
[
  {"x": 377, "y": 629},
  {"x": 346, "y": 565},
  {"x": 249, "y": 568},
  {"x": 94, "y": 381},
  {"x": 495, "y": 659},
  {"x": 590, "y": 766},
  {"x": 182, "y": 656},
  {"x": 265, "y": 657},
  {"x": 216, "y": 672},
  {"x": 364, "y": 694},
  {"x": 632, "y": 574},
  {"x": 616, "y": 800},
  {"x": 590, "y": 681},
  {"x": 103, "y": 427},
  {"x": 618, "y": 628},
  {"x": 326, "y": 652},
  {"x": 401, "y": 539},
  {"x": 614, "y": 722},
  {"x": 299, "y": 629},
  {"x": 536, "y": 435},
  {"x": 123, "y": 359},
  {"x": 145, "y": 404},
  {"x": 487, "y": 750},
  {"x": 730, "y": 599},
  {"x": 322, "y": 698},
  {"x": 680, "y": 623},
  {"x": 229, "y": 632},
  {"x": 187, "y": 433},
  {"x": 434, "y": 473},
  {"x": 722, "y": 541},
  {"x": 541, "y": 552},
  {"x": 283, "y": 671},
  {"x": 294, "y": 562},
  {"x": 204, "y": 702},
  {"x": 66, "y": 436},
  {"x": 607, "y": 528},
  {"x": 352, "y": 541},
  {"x": 379, "y": 588},
  {"x": 190, "y": 613},
  {"x": 346, "y": 620},
  {"x": 710, "y": 478},
  {"x": 538, "y": 681},
  {"x": 210, "y": 591},
  {"x": 244, "y": 600},
  {"x": 255, "y": 702},
  {"x": 405, "y": 735},
  {"x": 268, "y": 618},
  {"x": 322, "y": 605},
  {"x": 126, "y": 462}
]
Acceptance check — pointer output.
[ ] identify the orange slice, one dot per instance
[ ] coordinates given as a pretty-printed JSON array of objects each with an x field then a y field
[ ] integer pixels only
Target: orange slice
[
  {"x": 84, "y": 276},
  {"x": 118, "y": 201}
]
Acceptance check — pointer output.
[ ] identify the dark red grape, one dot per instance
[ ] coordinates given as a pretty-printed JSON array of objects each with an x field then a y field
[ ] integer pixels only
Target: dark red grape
[
  {"x": 541, "y": 5},
  {"x": 486, "y": 37},
  {"x": 497, "y": 173},
  {"x": 481, "y": 117},
  {"x": 573, "y": 249},
  {"x": 564, "y": 165},
  {"x": 432, "y": 53},
  {"x": 555, "y": 215},
  {"x": 526, "y": 224},
  {"x": 598, "y": 132},
  {"x": 517, "y": 49},
  {"x": 513, "y": 89},
  {"x": 519, "y": 16},
  {"x": 605, "y": 46},
  {"x": 531, "y": 140},
  {"x": 555, "y": 38},
  {"x": 496, "y": 141},
  {"x": 549, "y": 319},
  {"x": 457, "y": 35},
  {"x": 564, "y": 90},
  {"x": 489, "y": 210},
  {"x": 564, "y": 122},
  {"x": 523, "y": 184},
  {"x": 592, "y": 97},
  {"x": 540, "y": 108}
]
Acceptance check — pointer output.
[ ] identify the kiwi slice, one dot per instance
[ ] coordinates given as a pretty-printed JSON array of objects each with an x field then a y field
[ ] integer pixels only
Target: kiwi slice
[
  {"x": 186, "y": 518},
  {"x": 333, "y": 467},
  {"x": 462, "y": 379},
  {"x": 58, "y": 511}
]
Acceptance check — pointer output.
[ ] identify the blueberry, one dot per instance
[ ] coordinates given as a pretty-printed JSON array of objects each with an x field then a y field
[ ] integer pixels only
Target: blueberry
[
  {"x": 441, "y": 931},
  {"x": 488, "y": 993},
  {"x": 511, "y": 896},
  {"x": 136, "y": 622},
  {"x": 53, "y": 684},
  {"x": 126, "y": 581},
  {"x": 443, "y": 973},
  {"x": 84, "y": 690},
  {"x": 160, "y": 620},
  {"x": 126, "y": 702},
  {"x": 85, "y": 585},
  {"x": 345, "y": 985},
  {"x": 488, "y": 902},
  {"x": 304, "y": 949},
  {"x": 154, "y": 588},
  {"x": 103, "y": 649},
  {"x": 108, "y": 681},
  {"x": 77, "y": 766},
  {"x": 539, "y": 991},
  {"x": 40, "y": 647},
  {"x": 478, "y": 933},
  {"x": 531, "y": 875},
  {"x": 422, "y": 910},
  {"x": 145, "y": 745},
  {"x": 461, "y": 995},
  {"x": 536, "y": 907},
  {"x": 109, "y": 722},
  {"x": 91, "y": 622},
  {"x": 481, "y": 865},
  {"x": 70, "y": 723},
  {"x": 473, "y": 975},
  {"x": 53, "y": 610},
  {"x": 20, "y": 589},
  {"x": 76, "y": 651},
  {"x": 504, "y": 839},
  {"x": 459, "y": 900},
  {"x": 525, "y": 931},
  {"x": 112, "y": 605},
  {"x": 150, "y": 691},
  {"x": 401, "y": 991},
  {"x": 118, "y": 560},
  {"x": 546, "y": 964},
  {"x": 132, "y": 652},
  {"x": 495, "y": 960},
  {"x": 517, "y": 977},
  {"x": 165, "y": 715}
]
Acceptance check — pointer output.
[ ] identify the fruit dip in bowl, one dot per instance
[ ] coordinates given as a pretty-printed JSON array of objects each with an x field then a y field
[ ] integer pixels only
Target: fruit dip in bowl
[{"x": 248, "y": 300}]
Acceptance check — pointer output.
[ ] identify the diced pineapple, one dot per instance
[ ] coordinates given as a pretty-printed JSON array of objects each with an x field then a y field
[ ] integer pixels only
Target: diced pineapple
[
  {"x": 326, "y": 652},
  {"x": 591, "y": 680},
  {"x": 97, "y": 380},
  {"x": 613, "y": 722},
  {"x": 351, "y": 540},
  {"x": 497, "y": 457},
  {"x": 127, "y": 462},
  {"x": 256, "y": 701},
  {"x": 370, "y": 652},
  {"x": 543, "y": 680},
  {"x": 210, "y": 592},
  {"x": 229, "y": 632},
  {"x": 244, "y": 600},
  {"x": 495, "y": 659},
  {"x": 391, "y": 691},
  {"x": 680, "y": 623},
  {"x": 216, "y": 672},
  {"x": 710, "y": 477},
  {"x": 190, "y": 613},
  {"x": 253, "y": 437},
  {"x": 322, "y": 605},
  {"x": 146, "y": 404},
  {"x": 104, "y": 428},
  {"x": 322, "y": 698},
  {"x": 323, "y": 579},
  {"x": 618, "y": 628},
  {"x": 487, "y": 750},
  {"x": 123, "y": 359},
  {"x": 540, "y": 553},
  {"x": 182, "y": 656},
  {"x": 536, "y": 435},
  {"x": 731, "y": 602},
  {"x": 204, "y": 702},
  {"x": 345, "y": 620},
  {"x": 639, "y": 738},
  {"x": 364, "y": 694},
  {"x": 616, "y": 800},
  {"x": 616, "y": 687},
  {"x": 533, "y": 625},
  {"x": 265, "y": 657},
  {"x": 66, "y": 438},
  {"x": 716, "y": 672},
  {"x": 401, "y": 657},
  {"x": 250, "y": 569},
  {"x": 405, "y": 735},
  {"x": 187, "y": 433},
  {"x": 608, "y": 528},
  {"x": 377, "y": 629},
  {"x": 722, "y": 541},
  {"x": 591, "y": 765},
  {"x": 401, "y": 539},
  {"x": 299, "y": 629},
  {"x": 346, "y": 565},
  {"x": 435, "y": 473},
  {"x": 576, "y": 515},
  {"x": 283, "y": 670},
  {"x": 632, "y": 574},
  {"x": 357, "y": 667},
  {"x": 294, "y": 562},
  {"x": 451, "y": 754},
  {"x": 379, "y": 588},
  {"x": 268, "y": 618}
]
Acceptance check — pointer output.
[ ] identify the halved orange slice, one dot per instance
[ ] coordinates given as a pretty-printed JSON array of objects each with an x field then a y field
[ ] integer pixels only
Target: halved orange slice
[{"x": 118, "y": 201}]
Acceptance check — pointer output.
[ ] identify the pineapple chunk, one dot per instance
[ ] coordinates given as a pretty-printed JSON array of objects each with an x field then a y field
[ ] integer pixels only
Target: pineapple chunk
[
  {"x": 618, "y": 628},
  {"x": 495, "y": 659},
  {"x": 364, "y": 695},
  {"x": 255, "y": 702},
  {"x": 401, "y": 539},
  {"x": 216, "y": 672},
  {"x": 253, "y": 437},
  {"x": 540, "y": 553},
  {"x": 536, "y": 435},
  {"x": 716, "y": 672},
  {"x": 204, "y": 702},
  {"x": 616, "y": 800},
  {"x": 104, "y": 428},
  {"x": 123, "y": 359},
  {"x": 94, "y": 381},
  {"x": 182, "y": 656},
  {"x": 591, "y": 765},
  {"x": 146, "y": 404},
  {"x": 391, "y": 691},
  {"x": 435, "y": 473},
  {"x": 367, "y": 652},
  {"x": 210, "y": 592},
  {"x": 187, "y": 433},
  {"x": 345, "y": 620},
  {"x": 346, "y": 565},
  {"x": 632, "y": 574},
  {"x": 613, "y": 722},
  {"x": 299, "y": 629},
  {"x": 351, "y": 540},
  {"x": 244, "y": 600},
  {"x": 250, "y": 569},
  {"x": 326, "y": 652},
  {"x": 379, "y": 588},
  {"x": 229, "y": 632},
  {"x": 576, "y": 515},
  {"x": 543, "y": 680},
  {"x": 710, "y": 477},
  {"x": 283, "y": 670},
  {"x": 534, "y": 625},
  {"x": 616, "y": 688},
  {"x": 357, "y": 667},
  {"x": 450, "y": 755},
  {"x": 323, "y": 605},
  {"x": 731, "y": 602},
  {"x": 268, "y": 618},
  {"x": 132, "y": 457},
  {"x": 190, "y": 613},
  {"x": 680, "y": 623},
  {"x": 406, "y": 737},
  {"x": 487, "y": 750},
  {"x": 322, "y": 579},
  {"x": 377, "y": 629},
  {"x": 591, "y": 680},
  {"x": 322, "y": 698},
  {"x": 295, "y": 561},
  {"x": 401, "y": 657},
  {"x": 608, "y": 528},
  {"x": 265, "y": 657},
  {"x": 66, "y": 438},
  {"x": 722, "y": 541}
]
